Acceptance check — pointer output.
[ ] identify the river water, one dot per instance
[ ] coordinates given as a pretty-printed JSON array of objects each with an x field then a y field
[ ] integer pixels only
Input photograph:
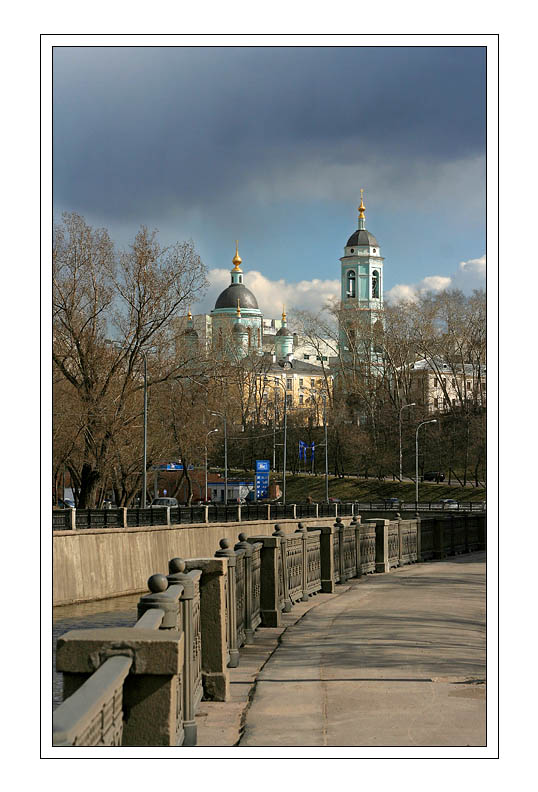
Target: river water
[{"x": 116, "y": 612}]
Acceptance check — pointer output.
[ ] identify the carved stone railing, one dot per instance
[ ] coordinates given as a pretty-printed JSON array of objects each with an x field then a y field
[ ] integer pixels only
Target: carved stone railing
[
  {"x": 393, "y": 545},
  {"x": 252, "y": 585},
  {"x": 136, "y": 686},
  {"x": 227, "y": 551},
  {"x": 190, "y": 601},
  {"x": 408, "y": 545}
]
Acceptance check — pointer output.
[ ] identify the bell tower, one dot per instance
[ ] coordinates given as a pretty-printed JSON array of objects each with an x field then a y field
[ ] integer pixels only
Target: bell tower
[{"x": 361, "y": 278}]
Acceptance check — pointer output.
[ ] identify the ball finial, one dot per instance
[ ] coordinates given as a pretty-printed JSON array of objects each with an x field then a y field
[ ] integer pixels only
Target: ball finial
[
  {"x": 242, "y": 537},
  {"x": 177, "y": 565},
  {"x": 157, "y": 583},
  {"x": 224, "y": 544}
]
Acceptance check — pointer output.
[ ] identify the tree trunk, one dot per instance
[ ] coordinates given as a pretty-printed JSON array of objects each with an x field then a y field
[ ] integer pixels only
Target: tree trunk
[{"x": 89, "y": 478}]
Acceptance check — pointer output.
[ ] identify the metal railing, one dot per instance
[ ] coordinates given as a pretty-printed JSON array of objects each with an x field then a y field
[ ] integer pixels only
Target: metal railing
[{"x": 65, "y": 519}]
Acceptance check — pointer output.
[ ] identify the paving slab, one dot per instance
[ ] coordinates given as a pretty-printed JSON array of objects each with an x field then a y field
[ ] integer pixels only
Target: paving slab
[
  {"x": 220, "y": 724},
  {"x": 395, "y": 660}
]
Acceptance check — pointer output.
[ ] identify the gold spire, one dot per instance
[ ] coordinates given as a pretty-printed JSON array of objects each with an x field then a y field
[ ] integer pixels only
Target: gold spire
[
  {"x": 236, "y": 261},
  {"x": 189, "y": 315},
  {"x": 283, "y": 313},
  {"x": 238, "y": 312},
  {"x": 361, "y": 207}
]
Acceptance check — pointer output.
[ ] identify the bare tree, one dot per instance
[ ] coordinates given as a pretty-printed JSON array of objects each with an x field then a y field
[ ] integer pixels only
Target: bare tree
[{"x": 130, "y": 298}]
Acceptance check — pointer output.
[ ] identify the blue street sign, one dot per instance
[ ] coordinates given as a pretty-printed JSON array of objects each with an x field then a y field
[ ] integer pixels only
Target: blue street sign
[{"x": 263, "y": 466}]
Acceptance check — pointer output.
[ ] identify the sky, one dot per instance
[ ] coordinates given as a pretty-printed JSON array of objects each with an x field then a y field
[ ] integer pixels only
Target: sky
[{"x": 270, "y": 146}]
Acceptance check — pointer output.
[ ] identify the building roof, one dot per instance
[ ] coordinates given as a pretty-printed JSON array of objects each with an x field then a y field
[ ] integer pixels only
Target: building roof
[
  {"x": 297, "y": 367},
  {"x": 234, "y": 292},
  {"x": 468, "y": 368},
  {"x": 362, "y": 237}
]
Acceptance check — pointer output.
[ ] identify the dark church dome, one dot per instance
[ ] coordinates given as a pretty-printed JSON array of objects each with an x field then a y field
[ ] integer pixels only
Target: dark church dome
[
  {"x": 362, "y": 237},
  {"x": 236, "y": 291},
  {"x": 284, "y": 331}
]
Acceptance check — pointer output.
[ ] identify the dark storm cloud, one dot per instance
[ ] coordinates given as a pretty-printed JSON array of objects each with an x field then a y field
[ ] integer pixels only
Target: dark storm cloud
[{"x": 137, "y": 130}]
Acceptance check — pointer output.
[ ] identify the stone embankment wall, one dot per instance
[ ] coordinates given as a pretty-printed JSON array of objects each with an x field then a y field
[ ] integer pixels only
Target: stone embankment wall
[{"x": 99, "y": 563}]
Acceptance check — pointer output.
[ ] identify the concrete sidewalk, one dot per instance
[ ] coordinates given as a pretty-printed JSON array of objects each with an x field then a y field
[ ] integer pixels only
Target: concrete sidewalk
[{"x": 389, "y": 660}]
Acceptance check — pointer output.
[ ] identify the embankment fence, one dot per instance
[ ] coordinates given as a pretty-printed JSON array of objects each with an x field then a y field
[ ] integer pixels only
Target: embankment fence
[{"x": 80, "y": 519}]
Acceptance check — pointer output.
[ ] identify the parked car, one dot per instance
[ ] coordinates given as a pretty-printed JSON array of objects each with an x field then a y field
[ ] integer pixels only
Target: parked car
[
  {"x": 436, "y": 476},
  {"x": 66, "y": 504},
  {"x": 449, "y": 503},
  {"x": 392, "y": 503},
  {"x": 164, "y": 502},
  {"x": 335, "y": 500}
]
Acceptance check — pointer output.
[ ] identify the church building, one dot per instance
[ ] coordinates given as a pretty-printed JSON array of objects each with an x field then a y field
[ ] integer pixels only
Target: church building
[{"x": 236, "y": 311}]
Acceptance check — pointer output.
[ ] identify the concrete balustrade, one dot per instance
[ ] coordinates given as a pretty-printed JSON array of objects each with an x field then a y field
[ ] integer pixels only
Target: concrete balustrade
[{"x": 141, "y": 686}]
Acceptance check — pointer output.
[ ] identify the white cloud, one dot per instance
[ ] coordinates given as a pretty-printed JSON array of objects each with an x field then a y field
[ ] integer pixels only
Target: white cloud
[
  {"x": 470, "y": 275},
  {"x": 312, "y": 295},
  {"x": 272, "y": 295}
]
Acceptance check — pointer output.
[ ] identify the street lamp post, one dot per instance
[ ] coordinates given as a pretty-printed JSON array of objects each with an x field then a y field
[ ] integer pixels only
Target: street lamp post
[
  {"x": 221, "y": 415},
  {"x": 278, "y": 382},
  {"x": 207, "y": 435},
  {"x": 434, "y": 420},
  {"x": 413, "y": 404},
  {"x": 326, "y": 449},
  {"x": 324, "y": 397},
  {"x": 145, "y": 460}
]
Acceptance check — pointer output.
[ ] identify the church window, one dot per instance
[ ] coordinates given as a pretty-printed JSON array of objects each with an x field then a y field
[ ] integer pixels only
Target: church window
[
  {"x": 351, "y": 284},
  {"x": 374, "y": 250},
  {"x": 306, "y": 357},
  {"x": 312, "y": 383},
  {"x": 375, "y": 284},
  {"x": 301, "y": 398},
  {"x": 259, "y": 338},
  {"x": 249, "y": 330},
  {"x": 219, "y": 338},
  {"x": 289, "y": 384},
  {"x": 301, "y": 383},
  {"x": 352, "y": 250}
]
